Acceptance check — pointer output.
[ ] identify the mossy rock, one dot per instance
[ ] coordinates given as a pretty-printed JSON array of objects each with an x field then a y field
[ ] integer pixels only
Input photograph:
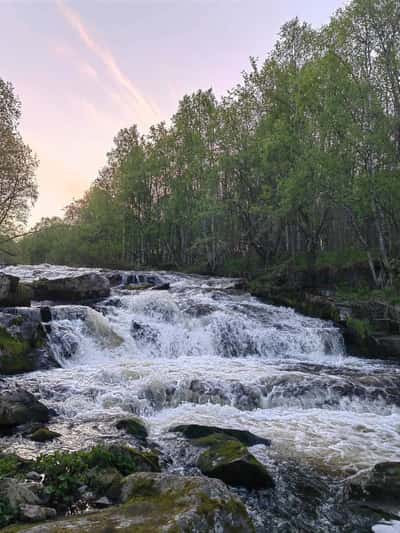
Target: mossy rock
[
  {"x": 141, "y": 287},
  {"x": 381, "y": 484},
  {"x": 20, "y": 407},
  {"x": 14, "y": 354},
  {"x": 106, "y": 482},
  {"x": 196, "y": 431},
  {"x": 44, "y": 435},
  {"x": 134, "y": 426},
  {"x": 13, "y": 466},
  {"x": 160, "y": 503},
  {"x": 231, "y": 462}
]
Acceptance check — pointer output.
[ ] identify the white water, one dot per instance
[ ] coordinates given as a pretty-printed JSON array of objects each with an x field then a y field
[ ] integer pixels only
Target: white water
[{"x": 201, "y": 353}]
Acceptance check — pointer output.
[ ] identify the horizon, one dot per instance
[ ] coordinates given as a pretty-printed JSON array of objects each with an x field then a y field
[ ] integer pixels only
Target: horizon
[{"x": 82, "y": 74}]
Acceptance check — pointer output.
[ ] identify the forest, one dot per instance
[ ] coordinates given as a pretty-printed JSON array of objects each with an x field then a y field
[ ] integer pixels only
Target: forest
[{"x": 299, "y": 162}]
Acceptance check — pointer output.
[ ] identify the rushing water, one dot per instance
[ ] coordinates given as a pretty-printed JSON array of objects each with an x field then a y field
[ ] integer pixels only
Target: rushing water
[{"x": 203, "y": 352}]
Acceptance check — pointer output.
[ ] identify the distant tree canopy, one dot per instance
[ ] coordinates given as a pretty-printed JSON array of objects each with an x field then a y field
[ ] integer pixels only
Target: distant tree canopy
[
  {"x": 302, "y": 157},
  {"x": 18, "y": 189}
]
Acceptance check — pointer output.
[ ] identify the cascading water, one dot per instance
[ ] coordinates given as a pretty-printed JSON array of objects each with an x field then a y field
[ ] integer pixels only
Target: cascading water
[{"x": 206, "y": 353}]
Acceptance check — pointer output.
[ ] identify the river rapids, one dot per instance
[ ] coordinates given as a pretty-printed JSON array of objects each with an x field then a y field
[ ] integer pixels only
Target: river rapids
[{"x": 204, "y": 352}]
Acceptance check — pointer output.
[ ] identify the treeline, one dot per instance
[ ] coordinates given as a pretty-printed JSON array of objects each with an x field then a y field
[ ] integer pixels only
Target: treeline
[{"x": 302, "y": 157}]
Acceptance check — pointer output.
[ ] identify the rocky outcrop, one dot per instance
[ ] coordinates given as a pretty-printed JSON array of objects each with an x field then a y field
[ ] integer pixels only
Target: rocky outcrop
[
  {"x": 380, "y": 485},
  {"x": 13, "y": 292},
  {"x": 89, "y": 286},
  {"x": 23, "y": 341},
  {"x": 195, "y": 431},
  {"x": 20, "y": 407}
]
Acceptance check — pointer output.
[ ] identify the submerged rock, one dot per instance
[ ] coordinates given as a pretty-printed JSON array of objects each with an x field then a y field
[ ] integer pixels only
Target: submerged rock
[
  {"x": 134, "y": 426},
  {"x": 20, "y": 407},
  {"x": 229, "y": 460},
  {"x": 195, "y": 431},
  {"x": 72, "y": 289}
]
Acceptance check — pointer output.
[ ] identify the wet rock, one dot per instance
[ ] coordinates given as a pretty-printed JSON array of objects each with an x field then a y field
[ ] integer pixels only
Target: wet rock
[
  {"x": 231, "y": 462},
  {"x": 381, "y": 484},
  {"x": 72, "y": 289},
  {"x": 106, "y": 482},
  {"x": 195, "y": 431},
  {"x": 22, "y": 341},
  {"x": 36, "y": 513},
  {"x": 134, "y": 426},
  {"x": 44, "y": 435},
  {"x": 20, "y": 407},
  {"x": 143, "y": 332},
  {"x": 161, "y": 287}
]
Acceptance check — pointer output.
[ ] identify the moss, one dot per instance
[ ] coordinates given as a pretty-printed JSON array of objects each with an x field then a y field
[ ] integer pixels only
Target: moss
[
  {"x": 44, "y": 435},
  {"x": 133, "y": 426},
  {"x": 362, "y": 328},
  {"x": 14, "y": 354}
]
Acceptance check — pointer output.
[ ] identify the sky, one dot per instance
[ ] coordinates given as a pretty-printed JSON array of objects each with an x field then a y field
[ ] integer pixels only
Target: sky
[{"x": 85, "y": 69}]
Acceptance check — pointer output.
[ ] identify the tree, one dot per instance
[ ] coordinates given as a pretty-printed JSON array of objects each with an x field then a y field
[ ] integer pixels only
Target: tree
[{"x": 18, "y": 189}]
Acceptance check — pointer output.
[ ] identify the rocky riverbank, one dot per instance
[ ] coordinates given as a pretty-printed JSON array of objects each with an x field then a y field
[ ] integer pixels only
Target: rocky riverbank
[{"x": 370, "y": 325}]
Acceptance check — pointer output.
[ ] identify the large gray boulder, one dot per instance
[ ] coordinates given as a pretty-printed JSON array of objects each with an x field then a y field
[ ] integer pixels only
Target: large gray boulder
[
  {"x": 89, "y": 286},
  {"x": 20, "y": 407}
]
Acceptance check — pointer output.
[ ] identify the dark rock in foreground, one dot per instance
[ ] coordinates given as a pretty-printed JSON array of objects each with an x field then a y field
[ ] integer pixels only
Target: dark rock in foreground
[
  {"x": 20, "y": 407},
  {"x": 381, "y": 485},
  {"x": 196, "y": 431},
  {"x": 13, "y": 292},
  {"x": 231, "y": 462},
  {"x": 90, "y": 286}
]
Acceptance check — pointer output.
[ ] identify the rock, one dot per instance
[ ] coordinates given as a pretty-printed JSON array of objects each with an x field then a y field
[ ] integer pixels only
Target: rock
[
  {"x": 195, "y": 431},
  {"x": 143, "y": 332},
  {"x": 381, "y": 484},
  {"x": 88, "y": 286},
  {"x": 231, "y": 462},
  {"x": 34, "y": 476},
  {"x": 133, "y": 426},
  {"x": 22, "y": 341},
  {"x": 43, "y": 435},
  {"x": 36, "y": 513},
  {"x": 102, "y": 502},
  {"x": 161, "y": 287},
  {"x": 20, "y": 407},
  {"x": 162, "y": 503},
  {"x": 17, "y": 493},
  {"x": 106, "y": 482},
  {"x": 13, "y": 292}
]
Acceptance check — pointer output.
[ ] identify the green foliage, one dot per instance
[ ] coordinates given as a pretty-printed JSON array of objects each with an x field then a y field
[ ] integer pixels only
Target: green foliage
[
  {"x": 300, "y": 161},
  {"x": 65, "y": 472},
  {"x": 7, "y": 513},
  {"x": 11, "y": 465},
  {"x": 361, "y": 327}
]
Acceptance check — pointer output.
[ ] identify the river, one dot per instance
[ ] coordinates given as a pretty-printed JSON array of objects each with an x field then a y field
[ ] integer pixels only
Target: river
[{"x": 204, "y": 352}]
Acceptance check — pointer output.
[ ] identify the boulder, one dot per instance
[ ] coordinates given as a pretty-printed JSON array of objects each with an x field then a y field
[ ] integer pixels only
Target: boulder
[
  {"x": 18, "y": 493},
  {"x": 44, "y": 435},
  {"x": 195, "y": 431},
  {"x": 134, "y": 426},
  {"x": 105, "y": 482},
  {"x": 89, "y": 286},
  {"x": 20, "y": 407},
  {"x": 161, "y": 503},
  {"x": 36, "y": 513},
  {"x": 230, "y": 461},
  {"x": 381, "y": 484}
]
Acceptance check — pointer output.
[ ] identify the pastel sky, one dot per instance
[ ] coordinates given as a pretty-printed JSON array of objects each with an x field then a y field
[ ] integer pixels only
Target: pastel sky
[{"x": 84, "y": 69}]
